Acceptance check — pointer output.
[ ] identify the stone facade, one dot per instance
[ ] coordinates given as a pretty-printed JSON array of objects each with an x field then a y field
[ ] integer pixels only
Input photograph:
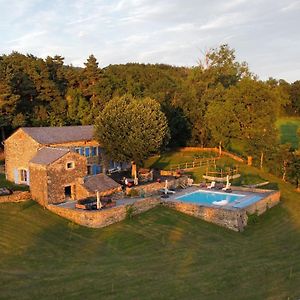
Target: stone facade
[
  {"x": 19, "y": 149},
  {"x": 49, "y": 182},
  {"x": 103, "y": 218},
  {"x": 17, "y": 196}
]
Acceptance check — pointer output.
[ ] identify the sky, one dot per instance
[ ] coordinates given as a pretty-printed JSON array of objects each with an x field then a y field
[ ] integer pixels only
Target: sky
[{"x": 264, "y": 33}]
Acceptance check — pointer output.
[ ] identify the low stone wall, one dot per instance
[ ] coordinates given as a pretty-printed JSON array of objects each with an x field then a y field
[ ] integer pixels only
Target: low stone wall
[
  {"x": 264, "y": 204},
  {"x": 103, "y": 218},
  {"x": 154, "y": 187},
  {"x": 16, "y": 196},
  {"x": 232, "y": 219}
]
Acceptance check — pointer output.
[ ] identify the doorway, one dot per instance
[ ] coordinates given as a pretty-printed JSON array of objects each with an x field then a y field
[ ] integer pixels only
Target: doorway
[{"x": 68, "y": 192}]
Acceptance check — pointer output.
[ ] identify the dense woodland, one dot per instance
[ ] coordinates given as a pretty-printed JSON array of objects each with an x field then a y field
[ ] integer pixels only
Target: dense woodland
[{"x": 217, "y": 103}]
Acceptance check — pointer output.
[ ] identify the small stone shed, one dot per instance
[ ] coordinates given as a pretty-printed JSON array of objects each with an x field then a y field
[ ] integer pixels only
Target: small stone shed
[
  {"x": 54, "y": 173},
  {"x": 101, "y": 183}
]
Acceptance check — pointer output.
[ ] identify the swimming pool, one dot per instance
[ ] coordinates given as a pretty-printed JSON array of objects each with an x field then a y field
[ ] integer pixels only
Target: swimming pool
[{"x": 219, "y": 198}]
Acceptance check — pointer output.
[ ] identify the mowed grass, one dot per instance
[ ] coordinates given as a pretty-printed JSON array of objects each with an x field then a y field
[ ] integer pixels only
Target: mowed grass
[
  {"x": 161, "y": 254},
  {"x": 165, "y": 160},
  {"x": 288, "y": 131}
]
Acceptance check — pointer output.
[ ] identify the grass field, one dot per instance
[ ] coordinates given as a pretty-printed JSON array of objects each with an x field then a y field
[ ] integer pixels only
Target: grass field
[
  {"x": 165, "y": 160},
  {"x": 161, "y": 254},
  {"x": 288, "y": 131}
]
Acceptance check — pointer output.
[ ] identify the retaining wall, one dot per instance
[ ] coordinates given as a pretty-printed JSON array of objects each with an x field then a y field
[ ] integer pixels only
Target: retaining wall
[
  {"x": 264, "y": 204},
  {"x": 103, "y": 218},
  {"x": 16, "y": 196},
  {"x": 234, "y": 220}
]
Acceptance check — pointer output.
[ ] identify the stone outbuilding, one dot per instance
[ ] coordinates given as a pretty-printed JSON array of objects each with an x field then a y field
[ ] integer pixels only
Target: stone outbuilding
[{"x": 54, "y": 173}]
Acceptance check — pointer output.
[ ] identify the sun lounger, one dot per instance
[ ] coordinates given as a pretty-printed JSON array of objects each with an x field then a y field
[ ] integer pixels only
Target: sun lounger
[{"x": 212, "y": 185}]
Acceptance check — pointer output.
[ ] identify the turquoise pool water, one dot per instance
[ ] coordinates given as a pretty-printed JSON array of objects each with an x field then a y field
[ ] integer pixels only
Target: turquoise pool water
[
  {"x": 203, "y": 197},
  {"x": 209, "y": 197}
]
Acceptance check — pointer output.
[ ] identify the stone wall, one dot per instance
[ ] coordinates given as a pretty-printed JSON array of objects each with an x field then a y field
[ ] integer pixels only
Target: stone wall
[
  {"x": 19, "y": 150},
  {"x": 154, "y": 187},
  {"x": 232, "y": 219},
  {"x": 59, "y": 176},
  {"x": 105, "y": 217},
  {"x": 38, "y": 183},
  {"x": 17, "y": 196},
  {"x": 264, "y": 204}
]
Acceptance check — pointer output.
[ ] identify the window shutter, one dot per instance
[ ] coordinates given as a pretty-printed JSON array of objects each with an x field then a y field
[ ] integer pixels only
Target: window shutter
[
  {"x": 28, "y": 181},
  {"x": 16, "y": 176}
]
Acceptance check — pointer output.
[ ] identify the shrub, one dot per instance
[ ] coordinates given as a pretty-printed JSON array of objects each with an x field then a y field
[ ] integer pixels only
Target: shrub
[
  {"x": 133, "y": 193},
  {"x": 130, "y": 210},
  {"x": 253, "y": 218}
]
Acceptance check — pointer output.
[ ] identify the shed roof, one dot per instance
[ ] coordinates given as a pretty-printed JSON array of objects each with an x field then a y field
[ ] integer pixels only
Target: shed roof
[
  {"x": 100, "y": 183},
  {"x": 56, "y": 135},
  {"x": 48, "y": 155}
]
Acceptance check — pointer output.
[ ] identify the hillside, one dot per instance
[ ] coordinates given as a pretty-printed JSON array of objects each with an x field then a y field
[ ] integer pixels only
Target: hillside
[{"x": 161, "y": 254}]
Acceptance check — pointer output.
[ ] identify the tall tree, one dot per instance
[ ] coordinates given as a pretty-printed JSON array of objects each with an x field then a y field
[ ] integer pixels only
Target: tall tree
[{"x": 132, "y": 129}]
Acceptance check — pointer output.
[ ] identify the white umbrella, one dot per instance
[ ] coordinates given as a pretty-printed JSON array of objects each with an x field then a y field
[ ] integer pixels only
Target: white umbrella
[
  {"x": 99, "y": 205},
  {"x": 166, "y": 187},
  {"x": 227, "y": 181}
]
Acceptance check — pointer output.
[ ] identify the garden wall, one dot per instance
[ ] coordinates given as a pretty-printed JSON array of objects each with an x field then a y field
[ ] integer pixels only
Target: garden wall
[
  {"x": 16, "y": 196},
  {"x": 103, "y": 218},
  {"x": 154, "y": 187},
  {"x": 234, "y": 220}
]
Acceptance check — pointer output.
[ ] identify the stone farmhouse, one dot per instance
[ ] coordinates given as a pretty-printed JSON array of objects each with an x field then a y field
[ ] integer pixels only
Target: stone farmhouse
[{"x": 58, "y": 163}]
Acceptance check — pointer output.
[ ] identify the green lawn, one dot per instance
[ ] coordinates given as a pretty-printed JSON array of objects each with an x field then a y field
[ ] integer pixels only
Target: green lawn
[
  {"x": 288, "y": 131},
  {"x": 161, "y": 254},
  {"x": 165, "y": 160}
]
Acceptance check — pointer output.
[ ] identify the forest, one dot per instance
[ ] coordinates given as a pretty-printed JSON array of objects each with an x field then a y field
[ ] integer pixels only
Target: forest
[{"x": 219, "y": 102}]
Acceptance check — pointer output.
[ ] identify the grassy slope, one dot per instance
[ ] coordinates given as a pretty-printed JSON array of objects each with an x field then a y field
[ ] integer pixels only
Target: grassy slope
[
  {"x": 161, "y": 254},
  {"x": 167, "y": 159},
  {"x": 288, "y": 130}
]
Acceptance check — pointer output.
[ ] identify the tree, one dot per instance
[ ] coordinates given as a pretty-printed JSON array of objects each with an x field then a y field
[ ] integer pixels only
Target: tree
[
  {"x": 246, "y": 112},
  {"x": 132, "y": 129}
]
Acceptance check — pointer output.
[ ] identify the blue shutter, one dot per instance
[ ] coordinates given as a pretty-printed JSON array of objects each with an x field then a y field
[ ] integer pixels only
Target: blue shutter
[
  {"x": 94, "y": 169},
  {"x": 87, "y": 151},
  {"x": 93, "y": 151},
  {"x": 16, "y": 176},
  {"x": 81, "y": 150},
  {"x": 99, "y": 169}
]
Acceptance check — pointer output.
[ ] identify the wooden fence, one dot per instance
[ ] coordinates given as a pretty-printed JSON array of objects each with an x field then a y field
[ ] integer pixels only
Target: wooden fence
[{"x": 195, "y": 164}]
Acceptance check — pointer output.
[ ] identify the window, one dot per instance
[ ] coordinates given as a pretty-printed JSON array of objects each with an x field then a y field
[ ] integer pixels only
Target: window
[
  {"x": 77, "y": 150},
  {"x": 70, "y": 165},
  {"x": 87, "y": 151},
  {"x": 23, "y": 175}
]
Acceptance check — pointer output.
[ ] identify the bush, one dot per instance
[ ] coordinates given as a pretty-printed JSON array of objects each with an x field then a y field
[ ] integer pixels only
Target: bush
[
  {"x": 133, "y": 193},
  {"x": 130, "y": 210},
  {"x": 253, "y": 218}
]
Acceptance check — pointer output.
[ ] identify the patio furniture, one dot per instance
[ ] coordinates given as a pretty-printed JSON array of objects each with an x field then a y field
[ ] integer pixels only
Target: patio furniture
[{"x": 212, "y": 185}]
